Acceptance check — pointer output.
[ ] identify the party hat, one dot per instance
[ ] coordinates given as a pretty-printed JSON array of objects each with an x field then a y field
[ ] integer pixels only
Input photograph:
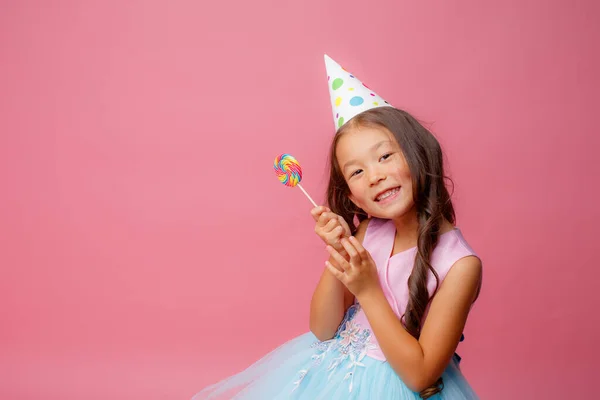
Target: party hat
[{"x": 349, "y": 96}]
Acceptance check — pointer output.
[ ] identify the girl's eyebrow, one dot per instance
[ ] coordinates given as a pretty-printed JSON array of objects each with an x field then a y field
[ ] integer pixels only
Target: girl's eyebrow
[{"x": 373, "y": 148}]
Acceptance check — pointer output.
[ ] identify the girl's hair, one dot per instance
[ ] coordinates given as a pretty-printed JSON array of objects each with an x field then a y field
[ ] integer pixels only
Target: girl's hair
[{"x": 432, "y": 201}]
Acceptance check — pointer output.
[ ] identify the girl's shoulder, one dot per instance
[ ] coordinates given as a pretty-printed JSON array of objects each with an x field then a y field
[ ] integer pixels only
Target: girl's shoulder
[{"x": 368, "y": 227}]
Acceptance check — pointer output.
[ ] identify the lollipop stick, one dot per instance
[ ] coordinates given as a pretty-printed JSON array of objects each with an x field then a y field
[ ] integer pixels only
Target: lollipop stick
[{"x": 311, "y": 200}]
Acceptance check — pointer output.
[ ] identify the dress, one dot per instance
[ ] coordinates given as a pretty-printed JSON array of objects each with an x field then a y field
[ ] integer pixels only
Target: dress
[{"x": 351, "y": 365}]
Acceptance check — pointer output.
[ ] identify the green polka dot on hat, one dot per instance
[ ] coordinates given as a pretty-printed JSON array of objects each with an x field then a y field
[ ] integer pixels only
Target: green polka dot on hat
[{"x": 349, "y": 96}]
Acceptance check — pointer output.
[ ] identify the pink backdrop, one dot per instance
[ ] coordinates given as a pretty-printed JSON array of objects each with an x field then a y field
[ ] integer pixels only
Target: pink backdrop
[{"x": 146, "y": 245}]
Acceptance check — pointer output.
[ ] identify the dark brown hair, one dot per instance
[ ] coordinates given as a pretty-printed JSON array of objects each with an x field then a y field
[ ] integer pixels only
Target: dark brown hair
[{"x": 424, "y": 157}]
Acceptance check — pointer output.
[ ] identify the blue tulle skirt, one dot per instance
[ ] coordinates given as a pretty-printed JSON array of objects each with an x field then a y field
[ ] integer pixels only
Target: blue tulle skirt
[{"x": 300, "y": 369}]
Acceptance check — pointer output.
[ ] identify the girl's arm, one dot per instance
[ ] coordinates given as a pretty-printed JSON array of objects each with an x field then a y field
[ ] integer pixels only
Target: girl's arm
[
  {"x": 331, "y": 299},
  {"x": 419, "y": 363}
]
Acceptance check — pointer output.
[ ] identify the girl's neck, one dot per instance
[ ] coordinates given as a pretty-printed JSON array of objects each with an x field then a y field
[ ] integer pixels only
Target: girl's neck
[
  {"x": 407, "y": 230},
  {"x": 407, "y": 226}
]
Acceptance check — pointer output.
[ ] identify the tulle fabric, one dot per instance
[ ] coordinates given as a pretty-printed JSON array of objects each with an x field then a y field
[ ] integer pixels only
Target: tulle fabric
[
  {"x": 278, "y": 375},
  {"x": 349, "y": 365}
]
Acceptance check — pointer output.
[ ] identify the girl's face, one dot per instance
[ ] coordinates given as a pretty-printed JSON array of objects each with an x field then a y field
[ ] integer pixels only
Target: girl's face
[{"x": 376, "y": 171}]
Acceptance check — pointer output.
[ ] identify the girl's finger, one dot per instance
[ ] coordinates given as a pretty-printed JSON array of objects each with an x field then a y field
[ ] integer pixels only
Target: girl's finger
[
  {"x": 330, "y": 225},
  {"x": 337, "y": 257},
  {"x": 335, "y": 265},
  {"x": 352, "y": 252},
  {"x": 339, "y": 275},
  {"x": 317, "y": 211},
  {"x": 362, "y": 252},
  {"x": 324, "y": 218},
  {"x": 344, "y": 224},
  {"x": 334, "y": 235}
]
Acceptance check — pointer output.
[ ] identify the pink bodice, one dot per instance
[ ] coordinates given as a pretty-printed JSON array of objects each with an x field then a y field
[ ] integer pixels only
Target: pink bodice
[{"x": 394, "y": 271}]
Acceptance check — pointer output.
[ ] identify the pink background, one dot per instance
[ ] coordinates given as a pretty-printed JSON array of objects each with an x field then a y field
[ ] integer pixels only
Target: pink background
[{"x": 146, "y": 244}]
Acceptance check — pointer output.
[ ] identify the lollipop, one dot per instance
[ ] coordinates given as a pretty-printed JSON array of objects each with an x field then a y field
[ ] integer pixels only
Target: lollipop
[{"x": 289, "y": 172}]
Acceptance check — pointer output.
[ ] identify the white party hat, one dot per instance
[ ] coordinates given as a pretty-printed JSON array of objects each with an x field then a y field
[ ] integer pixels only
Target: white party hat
[{"x": 349, "y": 96}]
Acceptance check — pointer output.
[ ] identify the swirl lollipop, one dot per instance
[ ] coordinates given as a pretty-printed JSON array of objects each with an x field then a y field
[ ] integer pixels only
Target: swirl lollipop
[{"x": 289, "y": 172}]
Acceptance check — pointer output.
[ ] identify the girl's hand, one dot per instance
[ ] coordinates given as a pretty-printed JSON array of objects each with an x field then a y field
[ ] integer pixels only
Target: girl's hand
[
  {"x": 330, "y": 227},
  {"x": 359, "y": 274}
]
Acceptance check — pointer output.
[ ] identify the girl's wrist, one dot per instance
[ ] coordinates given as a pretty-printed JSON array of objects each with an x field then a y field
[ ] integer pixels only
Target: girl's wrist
[{"x": 372, "y": 293}]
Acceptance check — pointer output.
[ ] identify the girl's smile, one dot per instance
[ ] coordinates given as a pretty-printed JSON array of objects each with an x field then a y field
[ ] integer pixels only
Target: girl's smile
[{"x": 376, "y": 172}]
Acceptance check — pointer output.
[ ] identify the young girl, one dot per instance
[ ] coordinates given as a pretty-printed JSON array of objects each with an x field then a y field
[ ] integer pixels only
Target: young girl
[{"x": 392, "y": 302}]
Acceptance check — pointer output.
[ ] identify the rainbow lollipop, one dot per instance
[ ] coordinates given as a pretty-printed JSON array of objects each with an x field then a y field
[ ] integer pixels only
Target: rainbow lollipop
[{"x": 289, "y": 172}]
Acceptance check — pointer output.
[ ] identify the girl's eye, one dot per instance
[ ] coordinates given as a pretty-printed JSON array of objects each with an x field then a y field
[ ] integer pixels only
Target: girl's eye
[
  {"x": 358, "y": 171},
  {"x": 385, "y": 156}
]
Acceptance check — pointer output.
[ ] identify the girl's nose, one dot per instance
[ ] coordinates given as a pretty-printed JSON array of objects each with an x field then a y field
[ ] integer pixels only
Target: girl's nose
[{"x": 375, "y": 177}]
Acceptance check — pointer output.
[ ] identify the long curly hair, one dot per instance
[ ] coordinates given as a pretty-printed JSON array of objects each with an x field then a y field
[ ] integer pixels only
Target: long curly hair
[{"x": 424, "y": 157}]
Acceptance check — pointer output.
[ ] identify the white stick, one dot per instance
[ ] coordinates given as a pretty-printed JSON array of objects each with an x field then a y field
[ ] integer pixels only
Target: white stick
[{"x": 311, "y": 200}]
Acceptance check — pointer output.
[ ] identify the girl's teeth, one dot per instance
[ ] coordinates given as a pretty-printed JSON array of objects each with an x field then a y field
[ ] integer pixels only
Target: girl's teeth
[{"x": 387, "y": 194}]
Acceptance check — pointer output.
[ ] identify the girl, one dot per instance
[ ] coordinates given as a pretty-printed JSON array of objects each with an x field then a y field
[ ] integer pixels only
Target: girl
[{"x": 392, "y": 302}]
